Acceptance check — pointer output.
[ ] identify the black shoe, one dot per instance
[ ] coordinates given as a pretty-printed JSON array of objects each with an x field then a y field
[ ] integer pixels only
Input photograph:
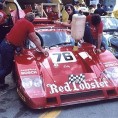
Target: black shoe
[{"x": 4, "y": 86}]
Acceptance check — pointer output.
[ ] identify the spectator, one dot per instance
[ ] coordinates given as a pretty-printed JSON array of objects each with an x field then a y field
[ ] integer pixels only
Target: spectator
[
  {"x": 110, "y": 8},
  {"x": 64, "y": 15},
  {"x": 100, "y": 11},
  {"x": 77, "y": 6},
  {"x": 28, "y": 8},
  {"x": 75, "y": 1},
  {"x": 91, "y": 9},
  {"x": 37, "y": 10},
  {"x": 70, "y": 10},
  {"x": 16, "y": 37},
  {"x": 96, "y": 28},
  {"x": 3, "y": 15},
  {"x": 48, "y": 1},
  {"x": 105, "y": 8}
]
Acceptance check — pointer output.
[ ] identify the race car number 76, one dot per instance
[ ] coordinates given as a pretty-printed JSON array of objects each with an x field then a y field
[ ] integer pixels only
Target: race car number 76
[{"x": 63, "y": 57}]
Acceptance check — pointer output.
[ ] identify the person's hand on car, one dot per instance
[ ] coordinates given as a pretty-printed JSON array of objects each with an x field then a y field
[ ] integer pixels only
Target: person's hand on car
[
  {"x": 45, "y": 52},
  {"x": 98, "y": 50}
]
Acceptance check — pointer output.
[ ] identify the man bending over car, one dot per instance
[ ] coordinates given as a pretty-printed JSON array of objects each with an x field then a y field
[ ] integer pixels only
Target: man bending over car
[
  {"x": 96, "y": 29},
  {"x": 22, "y": 29}
]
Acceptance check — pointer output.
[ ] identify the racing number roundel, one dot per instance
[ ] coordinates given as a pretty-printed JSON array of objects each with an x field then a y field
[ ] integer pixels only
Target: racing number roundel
[{"x": 62, "y": 57}]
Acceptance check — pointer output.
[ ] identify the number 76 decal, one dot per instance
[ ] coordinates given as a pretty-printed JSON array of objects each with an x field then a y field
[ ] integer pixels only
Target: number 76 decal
[{"x": 63, "y": 57}]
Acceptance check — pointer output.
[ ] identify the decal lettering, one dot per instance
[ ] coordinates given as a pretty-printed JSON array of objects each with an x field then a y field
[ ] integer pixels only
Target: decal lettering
[
  {"x": 58, "y": 56},
  {"x": 67, "y": 87},
  {"x": 55, "y": 89},
  {"x": 63, "y": 57},
  {"x": 111, "y": 64},
  {"x": 67, "y": 56},
  {"x": 28, "y": 71},
  {"x": 76, "y": 87}
]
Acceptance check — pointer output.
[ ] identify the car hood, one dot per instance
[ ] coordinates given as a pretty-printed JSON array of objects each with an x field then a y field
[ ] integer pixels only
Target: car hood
[
  {"x": 85, "y": 67},
  {"x": 67, "y": 71}
]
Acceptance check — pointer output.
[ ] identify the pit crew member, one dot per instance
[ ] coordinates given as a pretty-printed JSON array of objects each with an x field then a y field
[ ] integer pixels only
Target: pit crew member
[
  {"x": 22, "y": 29},
  {"x": 96, "y": 28}
]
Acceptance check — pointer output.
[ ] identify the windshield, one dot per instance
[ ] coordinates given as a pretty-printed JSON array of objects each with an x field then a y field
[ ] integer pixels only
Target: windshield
[
  {"x": 110, "y": 23},
  {"x": 52, "y": 38}
]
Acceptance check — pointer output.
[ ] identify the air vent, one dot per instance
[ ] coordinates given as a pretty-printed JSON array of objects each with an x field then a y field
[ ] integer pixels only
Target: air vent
[
  {"x": 51, "y": 101},
  {"x": 82, "y": 96},
  {"x": 111, "y": 92}
]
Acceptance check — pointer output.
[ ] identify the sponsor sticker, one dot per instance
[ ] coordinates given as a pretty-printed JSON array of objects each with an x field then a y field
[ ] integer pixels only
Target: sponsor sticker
[
  {"x": 77, "y": 87},
  {"x": 28, "y": 71},
  {"x": 110, "y": 64},
  {"x": 63, "y": 57}
]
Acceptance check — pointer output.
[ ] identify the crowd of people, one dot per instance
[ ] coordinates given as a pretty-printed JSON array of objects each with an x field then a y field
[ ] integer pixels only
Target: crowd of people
[{"x": 16, "y": 37}]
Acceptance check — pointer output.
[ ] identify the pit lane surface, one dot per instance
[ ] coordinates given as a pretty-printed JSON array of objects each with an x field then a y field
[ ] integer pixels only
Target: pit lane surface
[{"x": 12, "y": 107}]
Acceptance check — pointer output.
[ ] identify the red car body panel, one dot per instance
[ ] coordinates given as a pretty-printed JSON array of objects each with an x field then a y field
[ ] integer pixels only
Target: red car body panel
[
  {"x": 56, "y": 89},
  {"x": 65, "y": 77}
]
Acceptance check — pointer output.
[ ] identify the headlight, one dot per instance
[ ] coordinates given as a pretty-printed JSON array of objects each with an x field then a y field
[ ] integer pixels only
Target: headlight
[
  {"x": 112, "y": 72},
  {"x": 37, "y": 82},
  {"x": 115, "y": 73},
  {"x": 28, "y": 82}
]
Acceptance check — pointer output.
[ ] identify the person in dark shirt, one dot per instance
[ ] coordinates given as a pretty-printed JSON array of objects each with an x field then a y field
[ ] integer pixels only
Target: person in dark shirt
[
  {"x": 71, "y": 11},
  {"x": 100, "y": 11}
]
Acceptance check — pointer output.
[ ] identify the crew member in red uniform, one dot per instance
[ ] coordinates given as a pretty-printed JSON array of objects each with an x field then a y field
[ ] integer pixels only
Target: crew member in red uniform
[
  {"x": 22, "y": 29},
  {"x": 96, "y": 28}
]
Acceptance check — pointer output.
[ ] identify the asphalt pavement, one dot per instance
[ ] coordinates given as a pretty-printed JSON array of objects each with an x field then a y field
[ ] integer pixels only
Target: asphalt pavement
[{"x": 8, "y": 80}]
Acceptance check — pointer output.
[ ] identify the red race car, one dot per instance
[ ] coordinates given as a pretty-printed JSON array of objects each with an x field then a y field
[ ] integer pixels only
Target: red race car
[{"x": 65, "y": 77}]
